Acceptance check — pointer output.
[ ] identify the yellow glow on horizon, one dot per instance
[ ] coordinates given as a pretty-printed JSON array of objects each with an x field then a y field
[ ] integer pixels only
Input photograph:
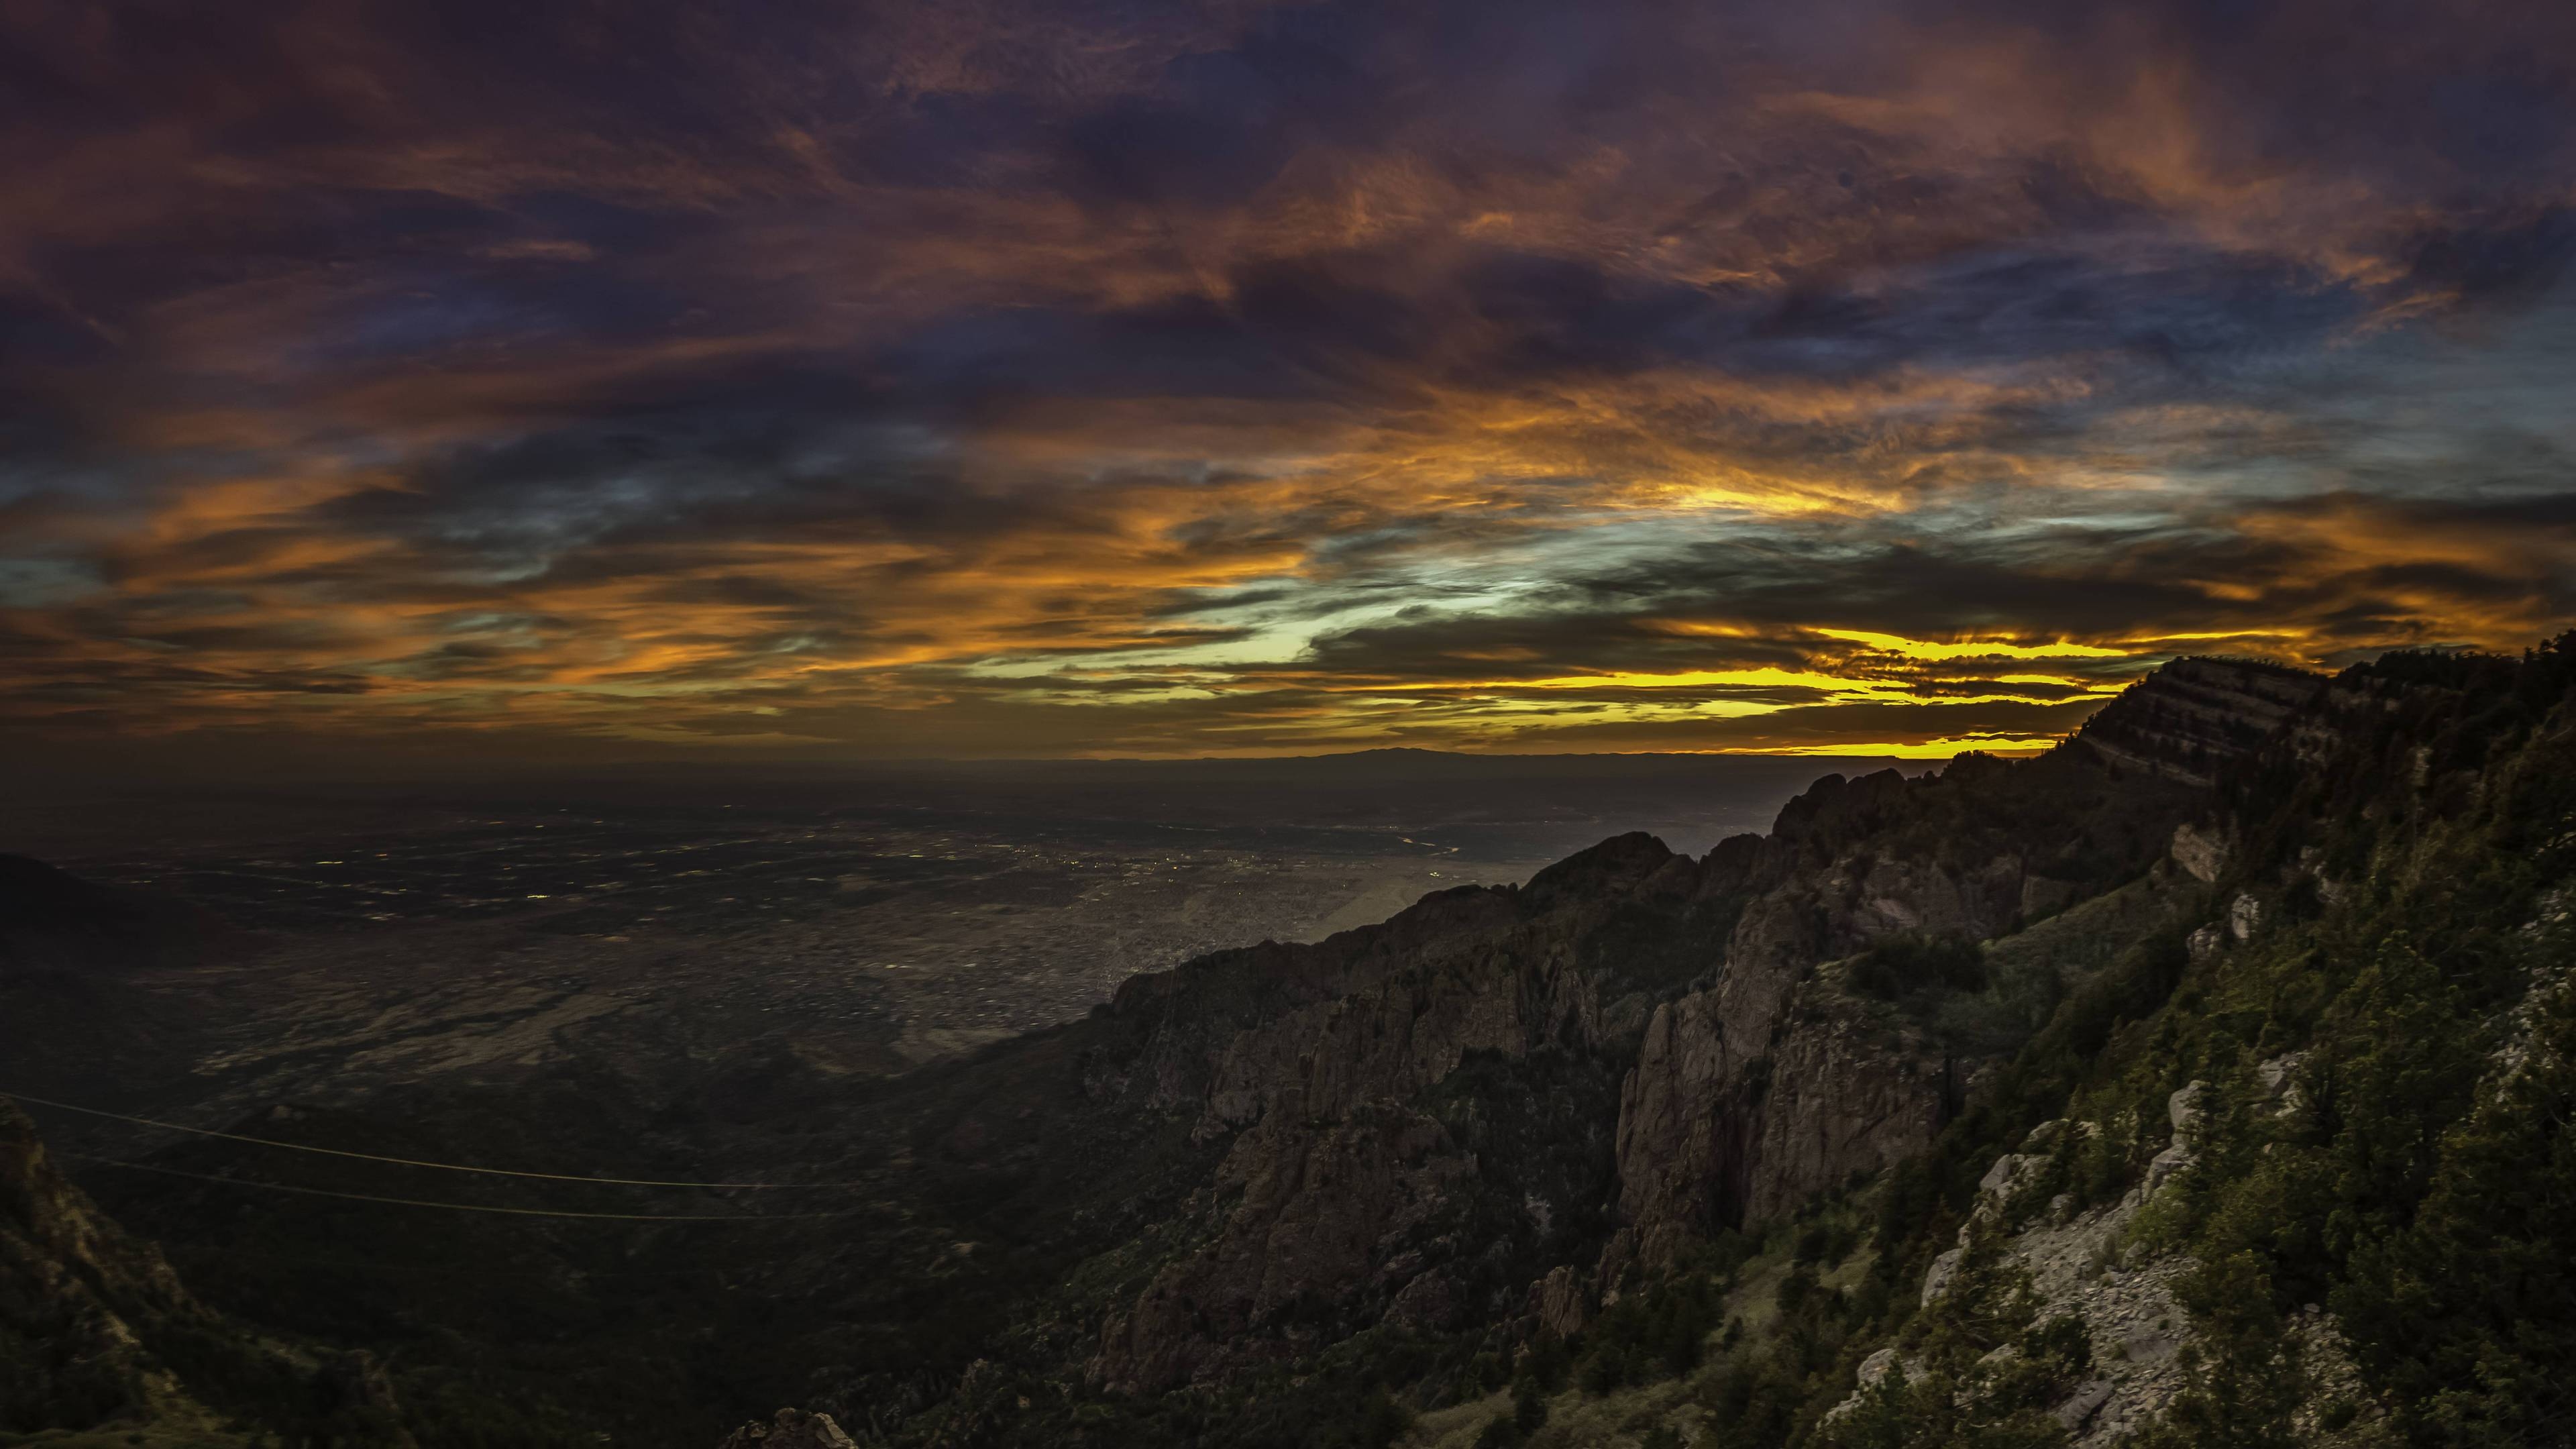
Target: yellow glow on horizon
[
  {"x": 1940, "y": 749},
  {"x": 2089, "y": 686},
  {"x": 1768, "y": 676},
  {"x": 1970, "y": 649}
]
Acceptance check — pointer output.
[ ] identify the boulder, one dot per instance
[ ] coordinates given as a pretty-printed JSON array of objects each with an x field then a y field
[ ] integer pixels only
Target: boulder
[{"x": 791, "y": 1429}]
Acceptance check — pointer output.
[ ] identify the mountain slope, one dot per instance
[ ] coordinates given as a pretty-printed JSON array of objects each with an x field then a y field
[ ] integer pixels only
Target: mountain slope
[
  {"x": 1663, "y": 1145},
  {"x": 69, "y": 1357},
  {"x": 96, "y": 1334},
  {"x": 53, "y": 923},
  {"x": 1736, "y": 1099},
  {"x": 2293, "y": 1170},
  {"x": 1900, "y": 982}
]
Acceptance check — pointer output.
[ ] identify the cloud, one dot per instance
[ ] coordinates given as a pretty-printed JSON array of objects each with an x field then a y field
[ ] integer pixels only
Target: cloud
[{"x": 1031, "y": 378}]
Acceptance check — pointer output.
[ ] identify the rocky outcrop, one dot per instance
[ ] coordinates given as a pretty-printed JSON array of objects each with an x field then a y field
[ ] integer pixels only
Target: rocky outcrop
[
  {"x": 1685, "y": 1126},
  {"x": 2201, "y": 854},
  {"x": 1706, "y": 1140},
  {"x": 1746, "y": 1080},
  {"x": 1558, "y": 1303},
  {"x": 2188, "y": 719},
  {"x": 1843, "y": 1098},
  {"x": 1316, "y": 1066},
  {"x": 2080, "y": 1264},
  {"x": 2077, "y": 1268},
  {"x": 1319, "y": 1212},
  {"x": 791, "y": 1429},
  {"x": 1768, "y": 1085},
  {"x": 97, "y": 1331},
  {"x": 72, "y": 1289}
]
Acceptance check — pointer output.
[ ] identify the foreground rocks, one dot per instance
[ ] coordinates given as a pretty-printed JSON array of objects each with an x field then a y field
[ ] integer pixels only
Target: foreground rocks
[
  {"x": 791, "y": 1429},
  {"x": 97, "y": 1332}
]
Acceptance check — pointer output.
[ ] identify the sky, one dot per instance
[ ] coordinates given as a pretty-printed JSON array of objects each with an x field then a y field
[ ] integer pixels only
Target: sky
[{"x": 559, "y": 379}]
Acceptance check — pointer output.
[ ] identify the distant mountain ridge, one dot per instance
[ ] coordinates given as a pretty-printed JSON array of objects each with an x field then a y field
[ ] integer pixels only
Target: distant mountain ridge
[{"x": 51, "y": 920}]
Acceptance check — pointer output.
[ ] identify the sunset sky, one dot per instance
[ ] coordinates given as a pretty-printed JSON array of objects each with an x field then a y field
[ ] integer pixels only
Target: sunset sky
[{"x": 989, "y": 378}]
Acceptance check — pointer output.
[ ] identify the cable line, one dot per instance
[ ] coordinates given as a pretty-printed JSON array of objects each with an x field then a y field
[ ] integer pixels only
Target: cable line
[
  {"x": 206, "y": 1253},
  {"x": 467, "y": 1207},
  {"x": 414, "y": 1161}
]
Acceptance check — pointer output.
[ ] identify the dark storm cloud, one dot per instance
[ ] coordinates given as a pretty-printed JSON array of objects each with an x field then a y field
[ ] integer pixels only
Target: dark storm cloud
[
  {"x": 2502, "y": 259},
  {"x": 1109, "y": 376}
]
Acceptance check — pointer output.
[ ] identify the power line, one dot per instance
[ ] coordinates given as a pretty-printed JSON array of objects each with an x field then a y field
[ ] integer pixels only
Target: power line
[
  {"x": 414, "y": 1161},
  {"x": 467, "y": 1207},
  {"x": 199, "y": 1257}
]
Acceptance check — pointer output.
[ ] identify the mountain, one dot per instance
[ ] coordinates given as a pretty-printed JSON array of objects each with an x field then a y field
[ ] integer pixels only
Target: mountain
[
  {"x": 98, "y": 1335},
  {"x": 55, "y": 925},
  {"x": 2201, "y": 1081},
  {"x": 1583, "y": 1120}
]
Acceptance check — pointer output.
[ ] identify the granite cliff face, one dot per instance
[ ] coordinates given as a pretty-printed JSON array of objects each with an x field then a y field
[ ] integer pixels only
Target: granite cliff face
[
  {"x": 1348, "y": 1193},
  {"x": 1354, "y": 1185},
  {"x": 1770, "y": 1084}
]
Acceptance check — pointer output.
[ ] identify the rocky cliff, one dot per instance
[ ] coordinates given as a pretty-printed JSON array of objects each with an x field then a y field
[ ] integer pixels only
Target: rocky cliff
[
  {"x": 1895, "y": 1122},
  {"x": 1352, "y": 1185},
  {"x": 2194, "y": 716},
  {"x": 72, "y": 1290},
  {"x": 1770, "y": 1084},
  {"x": 97, "y": 1333},
  {"x": 1660, "y": 1145},
  {"x": 1746, "y": 1079}
]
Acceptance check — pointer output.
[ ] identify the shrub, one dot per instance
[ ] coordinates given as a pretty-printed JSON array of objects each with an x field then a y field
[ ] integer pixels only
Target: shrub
[{"x": 1918, "y": 961}]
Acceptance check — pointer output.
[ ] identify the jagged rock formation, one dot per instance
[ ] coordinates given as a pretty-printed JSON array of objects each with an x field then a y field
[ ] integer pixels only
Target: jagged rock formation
[
  {"x": 2077, "y": 1268},
  {"x": 1764, "y": 1088},
  {"x": 1341, "y": 1187},
  {"x": 2195, "y": 715},
  {"x": 1345, "y": 1181},
  {"x": 790, "y": 1429}
]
